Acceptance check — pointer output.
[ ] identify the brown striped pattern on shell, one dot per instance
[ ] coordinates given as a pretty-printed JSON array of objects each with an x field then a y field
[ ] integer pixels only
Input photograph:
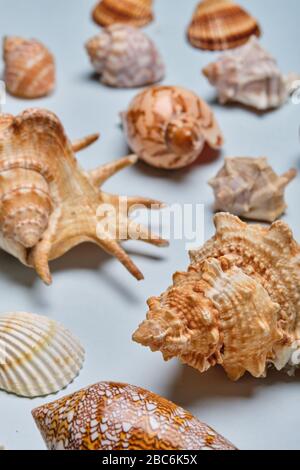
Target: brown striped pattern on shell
[
  {"x": 114, "y": 416},
  {"x": 29, "y": 68},
  {"x": 168, "y": 126},
  {"x": 220, "y": 25},
  {"x": 132, "y": 12}
]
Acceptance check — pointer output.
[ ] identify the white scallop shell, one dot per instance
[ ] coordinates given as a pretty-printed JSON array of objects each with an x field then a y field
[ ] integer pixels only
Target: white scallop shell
[{"x": 38, "y": 356}]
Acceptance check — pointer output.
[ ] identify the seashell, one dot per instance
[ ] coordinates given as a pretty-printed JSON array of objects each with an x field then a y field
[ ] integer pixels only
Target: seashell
[
  {"x": 114, "y": 416},
  {"x": 125, "y": 57},
  {"x": 131, "y": 12},
  {"x": 249, "y": 188},
  {"x": 48, "y": 204},
  {"x": 168, "y": 127},
  {"x": 237, "y": 305},
  {"x": 221, "y": 24},
  {"x": 29, "y": 68},
  {"x": 40, "y": 356},
  {"x": 249, "y": 75}
]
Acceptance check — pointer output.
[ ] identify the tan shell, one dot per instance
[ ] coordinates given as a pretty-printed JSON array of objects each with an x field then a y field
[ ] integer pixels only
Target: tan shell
[
  {"x": 29, "y": 68},
  {"x": 168, "y": 126},
  {"x": 249, "y": 188},
  {"x": 132, "y": 12},
  {"x": 221, "y": 24},
  {"x": 125, "y": 57},
  {"x": 49, "y": 204},
  {"x": 249, "y": 75},
  {"x": 114, "y": 416},
  {"x": 40, "y": 356},
  {"x": 238, "y": 305}
]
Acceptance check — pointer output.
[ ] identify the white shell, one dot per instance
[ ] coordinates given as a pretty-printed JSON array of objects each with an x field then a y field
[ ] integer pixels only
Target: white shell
[
  {"x": 125, "y": 57},
  {"x": 38, "y": 356},
  {"x": 249, "y": 75}
]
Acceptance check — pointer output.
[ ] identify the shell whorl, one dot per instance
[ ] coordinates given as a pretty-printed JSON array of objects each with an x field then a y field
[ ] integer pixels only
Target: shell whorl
[{"x": 29, "y": 68}]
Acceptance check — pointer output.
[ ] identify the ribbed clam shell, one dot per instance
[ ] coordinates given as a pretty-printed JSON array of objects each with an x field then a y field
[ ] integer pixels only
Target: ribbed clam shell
[
  {"x": 38, "y": 355},
  {"x": 221, "y": 24},
  {"x": 133, "y": 12},
  {"x": 29, "y": 68},
  {"x": 125, "y": 57}
]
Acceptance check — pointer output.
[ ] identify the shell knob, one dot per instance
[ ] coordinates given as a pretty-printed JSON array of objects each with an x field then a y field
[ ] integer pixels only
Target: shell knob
[{"x": 184, "y": 137}]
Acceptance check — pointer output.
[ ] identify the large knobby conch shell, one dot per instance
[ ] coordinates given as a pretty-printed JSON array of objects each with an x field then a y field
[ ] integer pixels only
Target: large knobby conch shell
[
  {"x": 38, "y": 355},
  {"x": 132, "y": 12},
  {"x": 250, "y": 75},
  {"x": 249, "y": 188},
  {"x": 238, "y": 305},
  {"x": 221, "y": 24},
  {"x": 49, "y": 205},
  {"x": 125, "y": 57},
  {"x": 114, "y": 416},
  {"x": 168, "y": 126},
  {"x": 29, "y": 68}
]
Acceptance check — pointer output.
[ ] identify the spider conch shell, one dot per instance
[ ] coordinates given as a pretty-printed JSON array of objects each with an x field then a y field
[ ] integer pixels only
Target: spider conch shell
[
  {"x": 38, "y": 355},
  {"x": 249, "y": 188},
  {"x": 48, "y": 204},
  {"x": 238, "y": 305},
  {"x": 221, "y": 24},
  {"x": 115, "y": 416},
  {"x": 132, "y": 12},
  {"x": 250, "y": 75},
  {"x": 168, "y": 126},
  {"x": 125, "y": 57},
  {"x": 29, "y": 68}
]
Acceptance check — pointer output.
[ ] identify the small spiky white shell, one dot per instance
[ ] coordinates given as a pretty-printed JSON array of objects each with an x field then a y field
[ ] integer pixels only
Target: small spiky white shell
[{"x": 38, "y": 355}]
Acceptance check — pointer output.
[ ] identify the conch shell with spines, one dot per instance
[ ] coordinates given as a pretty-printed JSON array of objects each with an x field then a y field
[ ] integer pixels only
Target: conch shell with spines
[
  {"x": 249, "y": 188},
  {"x": 48, "y": 204},
  {"x": 115, "y": 416},
  {"x": 168, "y": 127},
  {"x": 238, "y": 305},
  {"x": 29, "y": 68}
]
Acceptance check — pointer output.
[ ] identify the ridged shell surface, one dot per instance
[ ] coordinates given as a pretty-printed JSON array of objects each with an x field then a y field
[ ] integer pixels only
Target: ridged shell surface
[
  {"x": 114, "y": 416},
  {"x": 38, "y": 355},
  {"x": 132, "y": 12},
  {"x": 221, "y": 24}
]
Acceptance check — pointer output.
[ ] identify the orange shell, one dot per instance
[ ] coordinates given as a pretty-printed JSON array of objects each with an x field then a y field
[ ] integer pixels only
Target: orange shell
[
  {"x": 131, "y": 12},
  {"x": 29, "y": 68},
  {"x": 221, "y": 24}
]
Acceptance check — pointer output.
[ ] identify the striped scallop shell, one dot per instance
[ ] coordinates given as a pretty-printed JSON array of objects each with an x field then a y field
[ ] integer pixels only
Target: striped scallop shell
[
  {"x": 131, "y": 12},
  {"x": 114, "y": 416},
  {"x": 38, "y": 355},
  {"x": 125, "y": 57},
  {"x": 29, "y": 68},
  {"x": 221, "y": 24}
]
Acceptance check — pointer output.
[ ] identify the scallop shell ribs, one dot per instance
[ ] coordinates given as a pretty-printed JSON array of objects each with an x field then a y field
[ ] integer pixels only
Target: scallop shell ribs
[
  {"x": 48, "y": 204},
  {"x": 29, "y": 68},
  {"x": 221, "y": 24},
  {"x": 249, "y": 188},
  {"x": 38, "y": 355},
  {"x": 238, "y": 305},
  {"x": 132, "y": 12},
  {"x": 114, "y": 416}
]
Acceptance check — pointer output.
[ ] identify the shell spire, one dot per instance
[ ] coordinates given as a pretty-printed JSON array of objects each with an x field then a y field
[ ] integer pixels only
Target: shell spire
[
  {"x": 237, "y": 305},
  {"x": 115, "y": 416},
  {"x": 48, "y": 204},
  {"x": 29, "y": 68},
  {"x": 132, "y": 12},
  {"x": 167, "y": 126}
]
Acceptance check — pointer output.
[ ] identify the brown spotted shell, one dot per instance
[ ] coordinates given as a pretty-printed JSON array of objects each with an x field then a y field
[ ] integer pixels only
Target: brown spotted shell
[
  {"x": 29, "y": 68},
  {"x": 168, "y": 126},
  {"x": 125, "y": 57},
  {"x": 48, "y": 204},
  {"x": 221, "y": 24},
  {"x": 131, "y": 12},
  {"x": 238, "y": 305},
  {"x": 114, "y": 416}
]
